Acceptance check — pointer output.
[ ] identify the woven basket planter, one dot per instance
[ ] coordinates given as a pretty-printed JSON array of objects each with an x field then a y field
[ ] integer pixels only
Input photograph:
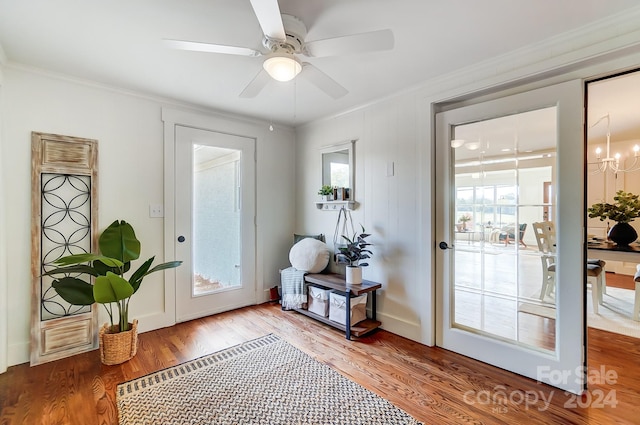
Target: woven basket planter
[{"x": 116, "y": 348}]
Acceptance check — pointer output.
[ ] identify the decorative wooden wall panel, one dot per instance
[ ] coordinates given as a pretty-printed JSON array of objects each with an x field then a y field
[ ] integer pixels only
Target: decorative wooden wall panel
[{"x": 64, "y": 210}]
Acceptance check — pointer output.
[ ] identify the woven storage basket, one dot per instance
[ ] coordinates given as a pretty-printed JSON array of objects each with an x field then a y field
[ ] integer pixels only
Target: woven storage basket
[{"x": 116, "y": 348}]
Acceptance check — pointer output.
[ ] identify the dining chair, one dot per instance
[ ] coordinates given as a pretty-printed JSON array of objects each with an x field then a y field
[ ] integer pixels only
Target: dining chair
[
  {"x": 546, "y": 239},
  {"x": 603, "y": 278}
]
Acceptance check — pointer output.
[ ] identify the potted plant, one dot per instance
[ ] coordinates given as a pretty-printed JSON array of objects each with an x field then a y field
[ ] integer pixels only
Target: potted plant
[
  {"x": 352, "y": 254},
  {"x": 626, "y": 208},
  {"x": 463, "y": 219},
  {"x": 118, "y": 247},
  {"x": 326, "y": 192}
]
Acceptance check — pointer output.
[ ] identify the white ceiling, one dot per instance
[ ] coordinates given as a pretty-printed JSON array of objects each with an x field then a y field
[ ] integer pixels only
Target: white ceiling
[
  {"x": 119, "y": 43},
  {"x": 620, "y": 98},
  {"x": 508, "y": 136},
  {"x": 535, "y": 131}
]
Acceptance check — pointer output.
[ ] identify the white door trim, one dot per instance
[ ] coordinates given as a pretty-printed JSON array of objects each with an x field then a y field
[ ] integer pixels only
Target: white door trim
[{"x": 4, "y": 287}]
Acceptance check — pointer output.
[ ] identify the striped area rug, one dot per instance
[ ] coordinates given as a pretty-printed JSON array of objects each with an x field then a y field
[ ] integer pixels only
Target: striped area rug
[{"x": 263, "y": 381}]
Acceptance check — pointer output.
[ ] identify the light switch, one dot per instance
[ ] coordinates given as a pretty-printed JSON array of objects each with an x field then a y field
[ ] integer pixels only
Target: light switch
[{"x": 390, "y": 169}]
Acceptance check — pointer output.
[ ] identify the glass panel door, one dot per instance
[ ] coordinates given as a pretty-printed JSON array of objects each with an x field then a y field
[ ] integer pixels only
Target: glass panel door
[
  {"x": 215, "y": 221},
  {"x": 497, "y": 163}
]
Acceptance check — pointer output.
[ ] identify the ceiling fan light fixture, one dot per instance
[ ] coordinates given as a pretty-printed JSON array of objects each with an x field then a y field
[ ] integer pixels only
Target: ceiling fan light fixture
[
  {"x": 472, "y": 146},
  {"x": 456, "y": 143},
  {"x": 282, "y": 67}
]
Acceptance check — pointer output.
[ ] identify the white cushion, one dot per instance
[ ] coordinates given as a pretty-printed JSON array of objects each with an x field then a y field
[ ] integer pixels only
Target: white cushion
[{"x": 310, "y": 255}]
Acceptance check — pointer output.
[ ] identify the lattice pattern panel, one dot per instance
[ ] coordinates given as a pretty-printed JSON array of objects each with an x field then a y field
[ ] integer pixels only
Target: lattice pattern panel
[{"x": 66, "y": 230}]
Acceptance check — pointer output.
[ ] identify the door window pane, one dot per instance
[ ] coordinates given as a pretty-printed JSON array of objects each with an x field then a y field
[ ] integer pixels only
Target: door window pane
[
  {"x": 216, "y": 219},
  {"x": 503, "y": 174}
]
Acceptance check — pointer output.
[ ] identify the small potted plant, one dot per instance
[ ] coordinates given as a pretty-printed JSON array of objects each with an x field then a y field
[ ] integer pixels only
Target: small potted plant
[
  {"x": 625, "y": 208},
  {"x": 464, "y": 218},
  {"x": 326, "y": 192},
  {"x": 352, "y": 254},
  {"x": 118, "y": 247}
]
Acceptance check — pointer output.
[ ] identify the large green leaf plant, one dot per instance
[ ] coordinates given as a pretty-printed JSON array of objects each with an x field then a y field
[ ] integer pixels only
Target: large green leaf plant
[{"x": 118, "y": 247}]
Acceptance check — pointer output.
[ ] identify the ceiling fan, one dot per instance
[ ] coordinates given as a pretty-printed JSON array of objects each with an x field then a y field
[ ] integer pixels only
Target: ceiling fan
[{"x": 284, "y": 38}]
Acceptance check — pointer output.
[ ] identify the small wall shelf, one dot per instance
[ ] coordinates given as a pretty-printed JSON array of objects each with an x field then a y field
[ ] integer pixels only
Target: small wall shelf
[{"x": 336, "y": 205}]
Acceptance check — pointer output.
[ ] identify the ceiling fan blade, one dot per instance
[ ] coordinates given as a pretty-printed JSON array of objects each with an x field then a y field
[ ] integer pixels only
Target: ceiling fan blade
[
  {"x": 323, "y": 81},
  {"x": 256, "y": 85},
  {"x": 356, "y": 43},
  {"x": 268, "y": 14},
  {"x": 195, "y": 46}
]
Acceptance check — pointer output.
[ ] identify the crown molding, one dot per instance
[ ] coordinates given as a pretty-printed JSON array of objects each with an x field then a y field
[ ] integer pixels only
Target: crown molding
[
  {"x": 162, "y": 101},
  {"x": 585, "y": 45},
  {"x": 599, "y": 41}
]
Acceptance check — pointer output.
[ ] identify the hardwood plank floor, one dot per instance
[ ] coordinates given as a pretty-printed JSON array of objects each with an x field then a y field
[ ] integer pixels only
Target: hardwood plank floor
[
  {"x": 623, "y": 281},
  {"x": 432, "y": 384}
]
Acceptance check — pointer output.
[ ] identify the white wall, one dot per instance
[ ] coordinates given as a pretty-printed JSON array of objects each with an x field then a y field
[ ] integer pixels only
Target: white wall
[
  {"x": 603, "y": 187},
  {"x": 388, "y": 205},
  {"x": 4, "y": 316},
  {"x": 399, "y": 210},
  {"x": 129, "y": 131}
]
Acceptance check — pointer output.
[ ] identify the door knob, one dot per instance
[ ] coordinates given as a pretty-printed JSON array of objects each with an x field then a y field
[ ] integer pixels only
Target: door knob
[
  {"x": 443, "y": 245},
  {"x": 181, "y": 239}
]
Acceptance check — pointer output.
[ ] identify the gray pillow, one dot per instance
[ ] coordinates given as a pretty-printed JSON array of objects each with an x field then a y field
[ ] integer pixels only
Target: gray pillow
[{"x": 297, "y": 238}]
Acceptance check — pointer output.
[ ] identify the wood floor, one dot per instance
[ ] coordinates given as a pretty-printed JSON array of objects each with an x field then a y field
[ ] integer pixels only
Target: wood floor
[
  {"x": 432, "y": 384},
  {"x": 623, "y": 281}
]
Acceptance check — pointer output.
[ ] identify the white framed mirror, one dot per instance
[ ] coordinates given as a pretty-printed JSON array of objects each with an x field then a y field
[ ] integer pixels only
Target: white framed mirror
[{"x": 338, "y": 171}]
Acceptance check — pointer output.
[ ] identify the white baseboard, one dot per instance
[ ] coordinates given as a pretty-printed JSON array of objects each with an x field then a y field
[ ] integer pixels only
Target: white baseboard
[
  {"x": 152, "y": 322},
  {"x": 222, "y": 309},
  {"x": 402, "y": 327},
  {"x": 19, "y": 353}
]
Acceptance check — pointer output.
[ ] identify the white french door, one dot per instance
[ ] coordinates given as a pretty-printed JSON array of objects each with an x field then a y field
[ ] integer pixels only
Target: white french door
[
  {"x": 215, "y": 222},
  {"x": 494, "y": 162}
]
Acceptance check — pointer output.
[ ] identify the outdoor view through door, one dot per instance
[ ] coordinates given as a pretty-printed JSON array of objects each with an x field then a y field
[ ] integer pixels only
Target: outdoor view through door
[
  {"x": 216, "y": 219},
  {"x": 502, "y": 167}
]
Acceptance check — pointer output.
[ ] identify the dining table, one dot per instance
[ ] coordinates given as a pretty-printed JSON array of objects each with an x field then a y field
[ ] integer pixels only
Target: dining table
[{"x": 606, "y": 250}]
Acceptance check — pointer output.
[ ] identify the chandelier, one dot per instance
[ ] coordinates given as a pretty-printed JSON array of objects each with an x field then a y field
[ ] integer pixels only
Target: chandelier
[{"x": 609, "y": 162}]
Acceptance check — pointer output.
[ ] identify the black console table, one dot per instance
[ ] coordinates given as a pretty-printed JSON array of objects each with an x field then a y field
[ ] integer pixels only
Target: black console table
[{"x": 337, "y": 283}]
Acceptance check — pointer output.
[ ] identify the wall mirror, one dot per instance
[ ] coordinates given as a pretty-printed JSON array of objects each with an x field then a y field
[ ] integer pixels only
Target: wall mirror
[{"x": 338, "y": 169}]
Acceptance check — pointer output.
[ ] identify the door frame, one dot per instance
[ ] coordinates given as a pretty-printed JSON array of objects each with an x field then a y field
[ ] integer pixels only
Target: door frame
[
  {"x": 570, "y": 229},
  {"x": 4, "y": 286}
]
